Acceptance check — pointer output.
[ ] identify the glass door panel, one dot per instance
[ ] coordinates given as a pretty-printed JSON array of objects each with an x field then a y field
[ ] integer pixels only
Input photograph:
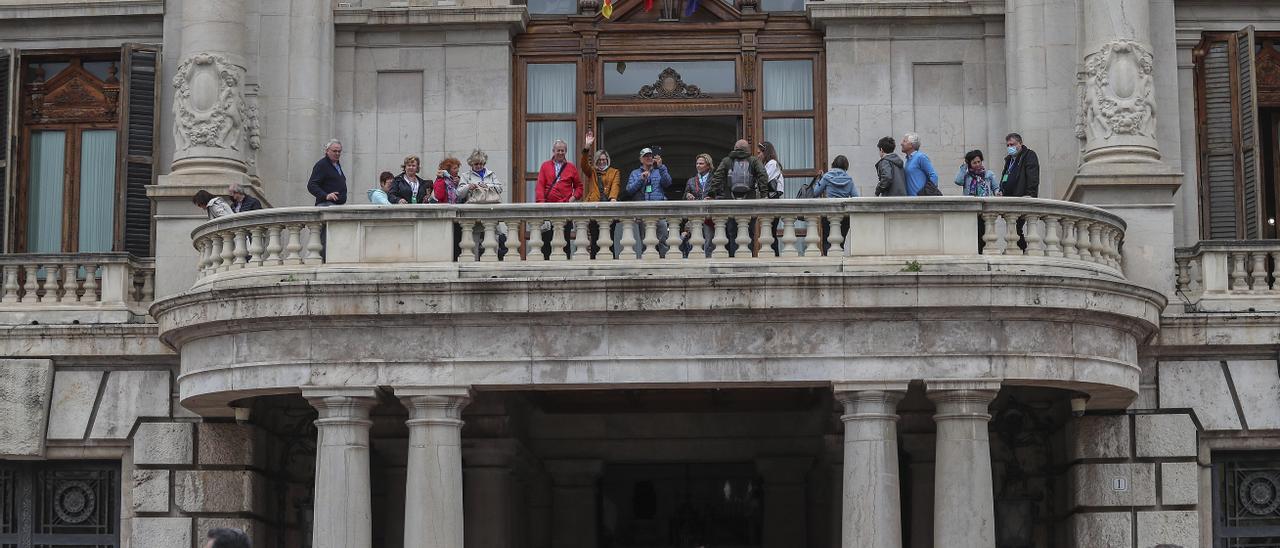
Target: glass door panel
[
  {"x": 97, "y": 190},
  {"x": 45, "y": 194}
]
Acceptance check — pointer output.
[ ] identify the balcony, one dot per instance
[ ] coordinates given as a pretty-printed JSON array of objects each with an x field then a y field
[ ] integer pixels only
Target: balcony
[
  {"x": 75, "y": 288},
  {"x": 537, "y": 295},
  {"x": 1229, "y": 276}
]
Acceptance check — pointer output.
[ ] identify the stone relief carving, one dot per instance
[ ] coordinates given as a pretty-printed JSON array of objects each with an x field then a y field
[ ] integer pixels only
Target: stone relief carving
[
  {"x": 670, "y": 86},
  {"x": 1117, "y": 95},
  {"x": 209, "y": 106}
]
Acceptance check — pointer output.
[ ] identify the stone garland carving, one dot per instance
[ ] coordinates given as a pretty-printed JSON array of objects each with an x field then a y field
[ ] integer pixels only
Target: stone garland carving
[
  {"x": 670, "y": 86},
  {"x": 209, "y": 106},
  {"x": 1117, "y": 95}
]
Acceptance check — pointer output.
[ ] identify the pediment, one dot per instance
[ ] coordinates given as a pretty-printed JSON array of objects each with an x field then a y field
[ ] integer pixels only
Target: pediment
[
  {"x": 73, "y": 94},
  {"x": 707, "y": 11}
]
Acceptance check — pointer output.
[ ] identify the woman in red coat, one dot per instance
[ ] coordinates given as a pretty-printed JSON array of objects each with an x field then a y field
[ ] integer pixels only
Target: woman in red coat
[
  {"x": 558, "y": 180},
  {"x": 446, "y": 187}
]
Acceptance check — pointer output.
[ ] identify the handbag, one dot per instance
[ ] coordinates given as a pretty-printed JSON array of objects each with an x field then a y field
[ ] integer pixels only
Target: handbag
[{"x": 484, "y": 195}]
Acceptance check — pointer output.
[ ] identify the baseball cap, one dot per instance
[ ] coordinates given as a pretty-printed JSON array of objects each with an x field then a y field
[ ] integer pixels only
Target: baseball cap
[{"x": 646, "y": 151}]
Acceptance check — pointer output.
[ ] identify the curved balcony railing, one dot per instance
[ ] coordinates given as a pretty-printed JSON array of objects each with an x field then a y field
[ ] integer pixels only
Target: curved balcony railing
[{"x": 512, "y": 239}]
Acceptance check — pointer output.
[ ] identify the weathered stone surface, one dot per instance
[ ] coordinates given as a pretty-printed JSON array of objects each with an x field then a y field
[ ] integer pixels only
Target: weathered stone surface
[
  {"x": 227, "y": 443},
  {"x": 217, "y": 490},
  {"x": 150, "y": 490},
  {"x": 162, "y": 443},
  {"x": 1257, "y": 382},
  {"x": 1100, "y": 437},
  {"x": 1176, "y": 528},
  {"x": 1166, "y": 435},
  {"x": 128, "y": 396},
  {"x": 1094, "y": 484},
  {"x": 74, "y": 393},
  {"x": 1201, "y": 386},
  {"x": 161, "y": 533},
  {"x": 1110, "y": 529},
  {"x": 25, "y": 387},
  {"x": 1179, "y": 483}
]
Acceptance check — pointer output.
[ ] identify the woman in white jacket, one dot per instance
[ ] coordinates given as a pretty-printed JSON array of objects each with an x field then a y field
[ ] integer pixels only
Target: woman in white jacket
[{"x": 478, "y": 177}]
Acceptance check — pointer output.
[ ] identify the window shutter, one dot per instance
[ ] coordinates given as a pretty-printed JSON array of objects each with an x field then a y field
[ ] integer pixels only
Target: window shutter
[
  {"x": 138, "y": 155},
  {"x": 6, "y": 112},
  {"x": 1218, "y": 197},
  {"x": 1246, "y": 97}
]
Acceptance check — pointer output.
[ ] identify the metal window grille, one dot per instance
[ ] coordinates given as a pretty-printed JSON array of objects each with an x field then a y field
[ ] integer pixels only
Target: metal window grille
[
  {"x": 50, "y": 504},
  {"x": 1246, "y": 500}
]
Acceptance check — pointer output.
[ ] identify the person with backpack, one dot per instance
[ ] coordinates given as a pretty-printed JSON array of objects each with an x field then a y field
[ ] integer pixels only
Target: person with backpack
[
  {"x": 740, "y": 176},
  {"x": 836, "y": 183},
  {"x": 922, "y": 180},
  {"x": 891, "y": 178}
]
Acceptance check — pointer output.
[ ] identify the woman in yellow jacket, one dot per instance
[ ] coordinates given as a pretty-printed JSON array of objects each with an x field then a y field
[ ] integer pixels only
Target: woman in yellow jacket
[{"x": 601, "y": 183}]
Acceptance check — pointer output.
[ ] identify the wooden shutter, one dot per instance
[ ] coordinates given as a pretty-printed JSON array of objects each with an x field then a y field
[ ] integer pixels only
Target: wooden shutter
[
  {"x": 1219, "y": 199},
  {"x": 138, "y": 155},
  {"x": 6, "y": 144},
  {"x": 1246, "y": 93}
]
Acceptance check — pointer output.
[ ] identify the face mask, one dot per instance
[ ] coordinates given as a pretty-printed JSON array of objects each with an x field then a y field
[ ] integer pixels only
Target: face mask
[{"x": 1012, "y": 150}]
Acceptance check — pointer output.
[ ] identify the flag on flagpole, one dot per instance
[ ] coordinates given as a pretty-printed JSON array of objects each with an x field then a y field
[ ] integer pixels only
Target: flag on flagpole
[
  {"x": 607, "y": 9},
  {"x": 690, "y": 6},
  {"x": 648, "y": 5}
]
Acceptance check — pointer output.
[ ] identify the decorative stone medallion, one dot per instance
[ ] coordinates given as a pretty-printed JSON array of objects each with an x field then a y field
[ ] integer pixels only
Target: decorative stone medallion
[
  {"x": 1117, "y": 96},
  {"x": 209, "y": 106}
]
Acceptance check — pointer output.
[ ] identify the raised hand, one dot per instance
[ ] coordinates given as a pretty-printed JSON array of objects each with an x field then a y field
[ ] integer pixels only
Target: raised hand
[{"x": 588, "y": 139}]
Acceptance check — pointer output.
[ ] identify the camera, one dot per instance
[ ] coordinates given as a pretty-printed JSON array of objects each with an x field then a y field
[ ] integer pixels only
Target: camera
[{"x": 657, "y": 151}]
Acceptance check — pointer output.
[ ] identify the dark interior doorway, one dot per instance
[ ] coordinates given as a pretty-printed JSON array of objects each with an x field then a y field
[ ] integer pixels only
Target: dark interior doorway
[
  {"x": 1269, "y": 140},
  {"x": 681, "y": 138}
]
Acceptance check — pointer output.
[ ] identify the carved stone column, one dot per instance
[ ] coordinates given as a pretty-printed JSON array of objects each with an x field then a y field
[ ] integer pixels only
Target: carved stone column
[
  {"x": 1117, "y": 116},
  {"x": 433, "y": 511},
  {"x": 964, "y": 506},
  {"x": 872, "y": 513},
  {"x": 343, "y": 517}
]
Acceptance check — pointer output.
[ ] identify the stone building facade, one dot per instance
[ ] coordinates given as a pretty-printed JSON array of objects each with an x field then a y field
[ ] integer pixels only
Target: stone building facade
[{"x": 1095, "y": 367}]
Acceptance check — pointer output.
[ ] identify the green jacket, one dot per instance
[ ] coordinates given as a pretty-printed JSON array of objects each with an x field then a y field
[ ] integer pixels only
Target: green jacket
[{"x": 720, "y": 179}]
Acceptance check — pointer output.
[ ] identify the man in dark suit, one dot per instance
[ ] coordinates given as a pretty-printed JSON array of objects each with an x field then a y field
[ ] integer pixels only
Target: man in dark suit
[
  {"x": 241, "y": 201},
  {"x": 328, "y": 183}
]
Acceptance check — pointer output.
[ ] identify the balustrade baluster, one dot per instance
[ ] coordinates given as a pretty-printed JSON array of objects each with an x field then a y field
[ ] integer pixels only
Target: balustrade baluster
[
  {"x": 10, "y": 284},
  {"x": 628, "y": 252},
  {"x": 148, "y": 286},
  {"x": 743, "y": 238},
  {"x": 315, "y": 244},
  {"x": 581, "y": 240},
  {"x": 1011, "y": 234},
  {"x": 1117, "y": 260},
  {"x": 650, "y": 239},
  {"x": 70, "y": 283},
  {"x": 788, "y": 247},
  {"x": 1035, "y": 242},
  {"x": 989, "y": 236},
  {"x": 673, "y": 238},
  {"x": 273, "y": 245},
  {"x": 52, "y": 286},
  {"x": 719, "y": 240},
  {"x": 466, "y": 241},
  {"x": 255, "y": 246},
  {"x": 535, "y": 241},
  {"x": 559, "y": 245},
  {"x": 511, "y": 250},
  {"x": 241, "y": 251},
  {"x": 1082, "y": 239},
  {"x": 202, "y": 256},
  {"x": 1069, "y": 249},
  {"x": 697, "y": 239},
  {"x": 1197, "y": 275},
  {"x": 766, "y": 238},
  {"x": 1052, "y": 241},
  {"x": 604, "y": 239},
  {"x": 1275, "y": 269},
  {"x": 1239, "y": 283},
  {"x": 293, "y": 248},
  {"x": 812, "y": 244},
  {"x": 835, "y": 239},
  {"x": 1182, "y": 274},
  {"x": 1095, "y": 243},
  {"x": 90, "y": 283},
  {"x": 1259, "y": 282},
  {"x": 31, "y": 286},
  {"x": 489, "y": 242},
  {"x": 228, "y": 250}
]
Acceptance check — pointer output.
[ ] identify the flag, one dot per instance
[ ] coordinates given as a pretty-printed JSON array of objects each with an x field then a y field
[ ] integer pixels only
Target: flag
[
  {"x": 690, "y": 6},
  {"x": 607, "y": 9},
  {"x": 648, "y": 5}
]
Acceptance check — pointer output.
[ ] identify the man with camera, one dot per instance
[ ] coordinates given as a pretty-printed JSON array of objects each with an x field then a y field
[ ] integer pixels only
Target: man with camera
[{"x": 649, "y": 183}]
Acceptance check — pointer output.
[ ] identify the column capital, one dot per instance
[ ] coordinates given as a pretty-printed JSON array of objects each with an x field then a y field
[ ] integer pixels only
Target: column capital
[
  {"x": 436, "y": 404},
  {"x": 870, "y": 400},
  {"x": 342, "y": 402}
]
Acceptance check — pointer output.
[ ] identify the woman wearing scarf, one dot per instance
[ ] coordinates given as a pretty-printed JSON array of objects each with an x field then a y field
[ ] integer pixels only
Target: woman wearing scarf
[
  {"x": 447, "y": 190},
  {"x": 974, "y": 177},
  {"x": 599, "y": 184}
]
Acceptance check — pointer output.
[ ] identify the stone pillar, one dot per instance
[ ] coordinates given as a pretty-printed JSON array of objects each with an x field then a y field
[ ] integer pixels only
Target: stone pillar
[
  {"x": 872, "y": 509},
  {"x": 490, "y": 487},
  {"x": 433, "y": 495},
  {"x": 1118, "y": 92},
  {"x": 343, "y": 516},
  {"x": 309, "y": 100},
  {"x": 573, "y": 502},
  {"x": 785, "y": 525},
  {"x": 964, "y": 509}
]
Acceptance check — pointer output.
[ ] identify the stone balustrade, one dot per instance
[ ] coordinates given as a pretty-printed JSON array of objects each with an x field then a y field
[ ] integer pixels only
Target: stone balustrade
[
  {"x": 859, "y": 234},
  {"x": 1237, "y": 276},
  {"x": 71, "y": 287}
]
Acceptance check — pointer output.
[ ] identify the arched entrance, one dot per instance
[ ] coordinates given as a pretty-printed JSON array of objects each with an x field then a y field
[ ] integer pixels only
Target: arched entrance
[{"x": 690, "y": 84}]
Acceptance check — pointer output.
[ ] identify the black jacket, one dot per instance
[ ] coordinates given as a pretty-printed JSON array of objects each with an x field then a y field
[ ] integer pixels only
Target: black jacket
[
  {"x": 891, "y": 178},
  {"x": 1024, "y": 180},
  {"x": 400, "y": 190},
  {"x": 325, "y": 179},
  {"x": 249, "y": 203},
  {"x": 720, "y": 178}
]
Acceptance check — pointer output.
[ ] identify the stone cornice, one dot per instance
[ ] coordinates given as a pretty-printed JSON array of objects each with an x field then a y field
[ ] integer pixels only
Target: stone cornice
[
  {"x": 1224, "y": 335},
  {"x": 514, "y": 17},
  {"x": 100, "y": 341},
  {"x": 100, "y": 8},
  {"x": 825, "y": 11}
]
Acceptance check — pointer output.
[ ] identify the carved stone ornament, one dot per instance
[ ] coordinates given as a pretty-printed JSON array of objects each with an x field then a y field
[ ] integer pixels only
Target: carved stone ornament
[
  {"x": 670, "y": 86},
  {"x": 1117, "y": 96},
  {"x": 209, "y": 107}
]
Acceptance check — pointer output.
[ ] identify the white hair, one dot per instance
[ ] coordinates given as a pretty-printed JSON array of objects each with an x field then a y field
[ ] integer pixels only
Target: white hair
[
  {"x": 331, "y": 143},
  {"x": 235, "y": 188},
  {"x": 559, "y": 142},
  {"x": 914, "y": 139}
]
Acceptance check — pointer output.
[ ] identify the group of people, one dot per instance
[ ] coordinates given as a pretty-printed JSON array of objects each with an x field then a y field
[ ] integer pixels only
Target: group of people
[{"x": 451, "y": 184}]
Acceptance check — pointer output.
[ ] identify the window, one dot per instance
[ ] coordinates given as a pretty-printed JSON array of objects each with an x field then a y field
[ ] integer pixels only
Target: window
[
  {"x": 789, "y": 119},
  {"x": 1246, "y": 499},
  {"x": 86, "y": 152},
  {"x": 50, "y": 504},
  {"x": 711, "y": 77},
  {"x": 782, "y": 5},
  {"x": 553, "y": 7},
  {"x": 551, "y": 114}
]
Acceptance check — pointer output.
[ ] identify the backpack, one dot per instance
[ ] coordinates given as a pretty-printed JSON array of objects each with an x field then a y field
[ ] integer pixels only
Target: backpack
[
  {"x": 740, "y": 177},
  {"x": 806, "y": 190}
]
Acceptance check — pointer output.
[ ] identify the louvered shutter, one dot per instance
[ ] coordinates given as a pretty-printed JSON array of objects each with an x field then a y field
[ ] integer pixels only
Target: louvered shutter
[
  {"x": 6, "y": 112},
  {"x": 138, "y": 160},
  {"x": 1218, "y": 147},
  {"x": 1247, "y": 105}
]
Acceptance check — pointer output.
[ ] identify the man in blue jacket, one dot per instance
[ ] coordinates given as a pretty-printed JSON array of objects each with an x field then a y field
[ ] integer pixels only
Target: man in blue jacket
[
  {"x": 649, "y": 183},
  {"x": 919, "y": 170}
]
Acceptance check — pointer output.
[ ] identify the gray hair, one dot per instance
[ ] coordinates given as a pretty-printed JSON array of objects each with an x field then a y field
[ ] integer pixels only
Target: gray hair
[
  {"x": 914, "y": 139},
  {"x": 559, "y": 142},
  {"x": 235, "y": 188},
  {"x": 331, "y": 143},
  {"x": 478, "y": 156}
]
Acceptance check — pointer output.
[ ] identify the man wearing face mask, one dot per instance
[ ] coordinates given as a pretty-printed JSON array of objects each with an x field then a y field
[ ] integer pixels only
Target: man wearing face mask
[{"x": 1021, "y": 175}]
